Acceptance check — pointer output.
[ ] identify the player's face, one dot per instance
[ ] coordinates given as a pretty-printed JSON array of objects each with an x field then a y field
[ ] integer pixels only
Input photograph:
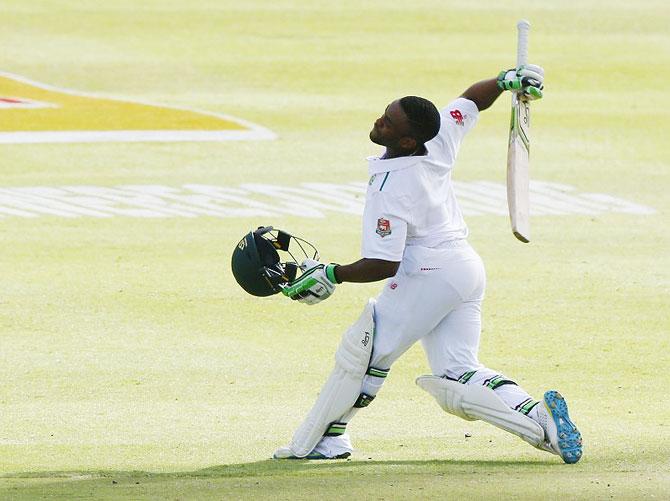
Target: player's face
[{"x": 392, "y": 126}]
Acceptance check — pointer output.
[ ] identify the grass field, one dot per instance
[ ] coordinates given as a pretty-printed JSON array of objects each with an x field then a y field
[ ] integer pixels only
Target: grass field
[{"x": 132, "y": 365}]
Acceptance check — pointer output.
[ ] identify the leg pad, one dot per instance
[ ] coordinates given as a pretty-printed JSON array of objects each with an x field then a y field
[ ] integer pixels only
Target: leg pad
[
  {"x": 342, "y": 390},
  {"x": 474, "y": 402}
]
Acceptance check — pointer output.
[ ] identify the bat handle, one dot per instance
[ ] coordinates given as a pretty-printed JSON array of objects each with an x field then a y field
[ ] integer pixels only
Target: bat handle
[{"x": 523, "y": 27}]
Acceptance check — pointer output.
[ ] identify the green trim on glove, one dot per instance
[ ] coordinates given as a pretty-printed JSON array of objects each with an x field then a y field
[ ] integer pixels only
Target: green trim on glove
[
  {"x": 330, "y": 273},
  {"x": 298, "y": 287},
  {"x": 508, "y": 80},
  {"x": 304, "y": 282},
  {"x": 534, "y": 92}
]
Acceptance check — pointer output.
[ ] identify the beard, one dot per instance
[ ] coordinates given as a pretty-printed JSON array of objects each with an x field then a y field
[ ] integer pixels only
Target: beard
[{"x": 374, "y": 137}]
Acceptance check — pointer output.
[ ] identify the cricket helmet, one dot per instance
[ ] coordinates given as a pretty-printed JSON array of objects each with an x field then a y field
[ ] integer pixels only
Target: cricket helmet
[{"x": 256, "y": 263}]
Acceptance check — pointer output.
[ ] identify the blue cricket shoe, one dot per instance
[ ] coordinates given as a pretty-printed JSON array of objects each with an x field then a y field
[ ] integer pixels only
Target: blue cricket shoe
[{"x": 562, "y": 433}]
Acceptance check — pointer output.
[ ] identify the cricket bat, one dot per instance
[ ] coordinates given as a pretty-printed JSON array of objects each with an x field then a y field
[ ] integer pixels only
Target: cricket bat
[{"x": 518, "y": 178}]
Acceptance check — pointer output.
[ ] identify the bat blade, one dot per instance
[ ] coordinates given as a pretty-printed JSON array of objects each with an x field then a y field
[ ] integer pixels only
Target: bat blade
[{"x": 518, "y": 176}]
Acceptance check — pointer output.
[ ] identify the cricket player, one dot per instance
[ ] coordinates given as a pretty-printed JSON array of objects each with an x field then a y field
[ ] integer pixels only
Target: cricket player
[{"x": 414, "y": 236}]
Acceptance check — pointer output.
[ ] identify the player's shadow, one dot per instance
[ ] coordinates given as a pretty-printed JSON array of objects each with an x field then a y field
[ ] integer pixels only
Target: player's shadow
[
  {"x": 273, "y": 467},
  {"x": 446, "y": 466},
  {"x": 268, "y": 477}
]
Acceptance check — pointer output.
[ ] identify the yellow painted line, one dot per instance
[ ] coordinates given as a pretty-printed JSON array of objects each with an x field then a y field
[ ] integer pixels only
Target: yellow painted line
[{"x": 33, "y": 112}]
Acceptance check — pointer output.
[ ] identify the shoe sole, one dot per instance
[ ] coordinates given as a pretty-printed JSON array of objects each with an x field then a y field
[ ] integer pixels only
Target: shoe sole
[
  {"x": 569, "y": 438},
  {"x": 318, "y": 455}
]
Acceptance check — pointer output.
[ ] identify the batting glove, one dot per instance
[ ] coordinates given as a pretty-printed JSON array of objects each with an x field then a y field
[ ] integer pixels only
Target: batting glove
[
  {"x": 316, "y": 283},
  {"x": 528, "y": 79}
]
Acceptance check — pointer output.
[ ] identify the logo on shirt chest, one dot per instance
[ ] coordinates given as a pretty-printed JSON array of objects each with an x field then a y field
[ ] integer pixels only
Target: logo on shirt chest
[{"x": 383, "y": 227}]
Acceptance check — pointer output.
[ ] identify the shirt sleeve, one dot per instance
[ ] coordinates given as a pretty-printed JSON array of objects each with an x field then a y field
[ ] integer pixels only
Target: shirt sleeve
[
  {"x": 384, "y": 227},
  {"x": 457, "y": 119}
]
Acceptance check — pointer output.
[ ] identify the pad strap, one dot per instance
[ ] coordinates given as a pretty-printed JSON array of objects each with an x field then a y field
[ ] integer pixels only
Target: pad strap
[
  {"x": 364, "y": 400},
  {"x": 335, "y": 429},
  {"x": 377, "y": 372}
]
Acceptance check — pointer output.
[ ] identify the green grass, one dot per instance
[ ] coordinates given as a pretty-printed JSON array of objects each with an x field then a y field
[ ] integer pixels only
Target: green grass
[
  {"x": 390, "y": 479},
  {"x": 128, "y": 353}
]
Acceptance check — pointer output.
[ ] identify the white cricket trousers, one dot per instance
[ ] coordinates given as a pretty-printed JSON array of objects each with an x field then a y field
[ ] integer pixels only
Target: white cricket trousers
[{"x": 437, "y": 304}]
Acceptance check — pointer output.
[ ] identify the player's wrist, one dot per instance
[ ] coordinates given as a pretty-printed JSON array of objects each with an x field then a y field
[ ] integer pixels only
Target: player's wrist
[{"x": 331, "y": 273}]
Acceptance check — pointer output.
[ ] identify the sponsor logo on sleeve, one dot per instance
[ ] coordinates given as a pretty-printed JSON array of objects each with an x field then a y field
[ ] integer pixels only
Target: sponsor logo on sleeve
[
  {"x": 383, "y": 227},
  {"x": 457, "y": 116}
]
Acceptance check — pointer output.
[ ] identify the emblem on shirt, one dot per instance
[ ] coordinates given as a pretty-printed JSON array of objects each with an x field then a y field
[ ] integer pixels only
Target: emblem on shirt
[
  {"x": 372, "y": 179},
  {"x": 383, "y": 227}
]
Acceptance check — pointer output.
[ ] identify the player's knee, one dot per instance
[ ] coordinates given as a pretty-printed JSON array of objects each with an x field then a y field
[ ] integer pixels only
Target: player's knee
[
  {"x": 383, "y": 355},
  {"x": 455, "y": 372}
]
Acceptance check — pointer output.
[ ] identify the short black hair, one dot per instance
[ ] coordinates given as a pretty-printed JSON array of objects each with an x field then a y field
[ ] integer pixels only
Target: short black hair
[{"x": 424, "y": 118}]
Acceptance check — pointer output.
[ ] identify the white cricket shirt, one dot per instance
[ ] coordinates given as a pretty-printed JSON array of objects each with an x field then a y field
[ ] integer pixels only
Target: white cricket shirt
[{"x": 410, "y": 206}]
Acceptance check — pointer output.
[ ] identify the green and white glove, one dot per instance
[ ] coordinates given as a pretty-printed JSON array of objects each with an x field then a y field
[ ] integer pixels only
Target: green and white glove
[
  {"x": 528, "y": 79},
  {"x": 316, "y": 283}
]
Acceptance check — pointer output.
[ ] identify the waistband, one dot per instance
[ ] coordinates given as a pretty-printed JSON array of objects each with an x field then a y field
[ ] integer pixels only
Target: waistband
[{"x": 447, "y": 244}]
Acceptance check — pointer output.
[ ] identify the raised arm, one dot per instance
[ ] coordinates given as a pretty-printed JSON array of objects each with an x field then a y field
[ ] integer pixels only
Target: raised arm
[{"x": 483, "y": 93}]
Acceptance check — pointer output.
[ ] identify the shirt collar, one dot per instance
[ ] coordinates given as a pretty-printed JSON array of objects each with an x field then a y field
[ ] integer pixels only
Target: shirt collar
[{"x": 378, "y": 165}]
